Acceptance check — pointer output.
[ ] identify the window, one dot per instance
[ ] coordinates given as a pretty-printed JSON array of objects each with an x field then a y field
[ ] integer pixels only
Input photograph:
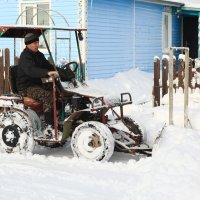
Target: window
[
  {"x": 166, "y": 35},
  {"x": 36, "y": 14}
]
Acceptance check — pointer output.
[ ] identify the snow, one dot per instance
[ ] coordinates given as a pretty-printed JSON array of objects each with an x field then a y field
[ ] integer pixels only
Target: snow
[
  {"x": 156, "y": 58},
  {"x": 171, "y": 173},
  {"x": 197, "y": 63},
  {"x": 190, "y": 3},
  {"x": 181, "y": 56}
]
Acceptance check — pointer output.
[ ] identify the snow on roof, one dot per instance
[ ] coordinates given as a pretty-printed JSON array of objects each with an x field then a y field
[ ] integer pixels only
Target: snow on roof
[{"x": 191, "y": 3}]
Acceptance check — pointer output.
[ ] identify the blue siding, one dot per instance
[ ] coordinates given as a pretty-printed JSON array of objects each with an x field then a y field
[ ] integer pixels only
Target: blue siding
[
  {"x": 8, "y": 14},
  {"x": 176, "y": 33},
  {"x": 67, "y": 8},
  {"x": 148, "y": 34},
  {"x": 125, "y": 34},
  {"x": 110, "y": 38},
  {"x": 121, "y": 33}
]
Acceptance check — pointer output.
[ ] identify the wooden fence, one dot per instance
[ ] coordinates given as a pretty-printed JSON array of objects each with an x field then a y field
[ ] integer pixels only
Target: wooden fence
[
  {"x": 4, "y": 70},
  {"x": 161, "y": 76}
]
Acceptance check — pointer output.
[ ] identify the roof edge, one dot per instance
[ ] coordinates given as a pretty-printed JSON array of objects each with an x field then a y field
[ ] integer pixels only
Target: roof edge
[
  {"x": 166, "y": 3},
  {"x": 193, "y": 8}
]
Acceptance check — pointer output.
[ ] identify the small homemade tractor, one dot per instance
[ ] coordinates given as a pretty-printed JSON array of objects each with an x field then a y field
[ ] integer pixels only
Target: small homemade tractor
[{"x": 96, "y": 128}]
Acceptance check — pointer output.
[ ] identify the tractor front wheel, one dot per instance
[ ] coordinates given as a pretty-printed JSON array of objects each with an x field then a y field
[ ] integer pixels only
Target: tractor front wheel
[{"x": 93, "y": 140}]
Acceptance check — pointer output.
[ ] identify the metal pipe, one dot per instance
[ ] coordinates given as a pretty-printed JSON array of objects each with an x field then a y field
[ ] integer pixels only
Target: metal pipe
[
  {"x": 80, "y": 59},
  {"x": 171, "y": 86},
  {"x": 54, "y": 90},
  {"x": 47, "y": 46},
  {"x": 55, "y": 110},
  {"x": 186, "y": 83},
  {"x": 50, "y": 16}
]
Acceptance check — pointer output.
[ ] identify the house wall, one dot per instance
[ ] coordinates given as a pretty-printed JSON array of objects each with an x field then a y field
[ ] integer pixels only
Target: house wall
[
  {"x": 62, "y": 11},
  {"x": 110, "y": 37},
  {"x": 69, "y": 10},
  {"x": 116, "y": 44},
  {"x": 122, "y": 34},
  {"x": 176, "y": 34},
  {"x": 8, "y": 15},
  {"x": 148, "y": 34},
  {"x": 176, "y": 31}
]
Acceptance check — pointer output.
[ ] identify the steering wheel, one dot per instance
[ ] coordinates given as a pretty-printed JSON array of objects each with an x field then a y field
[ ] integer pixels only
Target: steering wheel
[{"x": 68, "y": 66}]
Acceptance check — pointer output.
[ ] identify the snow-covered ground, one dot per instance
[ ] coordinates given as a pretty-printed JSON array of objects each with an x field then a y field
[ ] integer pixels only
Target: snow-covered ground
[{"x": 171, "y": 173}]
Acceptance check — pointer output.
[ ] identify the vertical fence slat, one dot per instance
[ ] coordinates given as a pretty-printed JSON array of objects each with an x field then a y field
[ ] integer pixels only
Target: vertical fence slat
[
  {"x": 174, "y": 68},
  {"x": 190, "y": 73},
  {"x": 193, "y": 81},
  {"x": 7, "y": 67},
  {"x": 165, "y": 64},
  {"x": 1, "y": 73},
  {"x": 181, "y": 65},
  {"x": 156, "y": 89}
]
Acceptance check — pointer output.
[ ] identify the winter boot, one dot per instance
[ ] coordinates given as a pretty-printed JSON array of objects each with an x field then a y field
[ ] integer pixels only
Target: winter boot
[{"x": 49, "y": 120}]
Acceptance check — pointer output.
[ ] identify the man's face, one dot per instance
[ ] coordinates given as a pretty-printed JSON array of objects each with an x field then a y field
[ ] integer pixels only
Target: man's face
[{"x": 33, "y": 46}]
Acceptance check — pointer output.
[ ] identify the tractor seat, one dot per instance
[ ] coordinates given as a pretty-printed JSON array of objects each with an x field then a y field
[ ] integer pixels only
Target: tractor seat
[
  {"x": 33, "y": 104},
  {"x": 28, "y": 102}
]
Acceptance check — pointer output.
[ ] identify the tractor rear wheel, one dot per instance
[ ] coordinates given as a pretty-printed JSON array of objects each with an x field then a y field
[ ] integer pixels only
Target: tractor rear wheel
[
  {"x": 15, "y": 132},
  {"x": 93, "y": 140}
]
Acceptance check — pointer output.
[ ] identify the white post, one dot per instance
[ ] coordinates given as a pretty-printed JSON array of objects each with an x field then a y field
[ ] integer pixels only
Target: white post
[
  {"x": 186, "y": 83},
  {"x": 171, "y": 86},
  {"x": 83, "y": 9}
]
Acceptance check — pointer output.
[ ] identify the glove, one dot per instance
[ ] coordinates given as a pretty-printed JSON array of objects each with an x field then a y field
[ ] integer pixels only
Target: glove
[{"x": 53, "y": 73}]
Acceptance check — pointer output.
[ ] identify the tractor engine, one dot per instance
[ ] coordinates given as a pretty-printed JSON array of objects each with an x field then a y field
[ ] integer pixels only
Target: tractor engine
[{"x": 76, "y": 103}]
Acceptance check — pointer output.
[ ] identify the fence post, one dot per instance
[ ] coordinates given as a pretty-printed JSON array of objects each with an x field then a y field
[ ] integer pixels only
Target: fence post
[
  {"x": 165, "y": 63},
  {"x": 186, "y": 91},
  {"x": 191, "y": 74},
  {"x": 156, "y": 89},
  {"x": 1, "y": 73},
  {"x": 174, "y": 73},
  {"x": 180, "y": 72},
  {"x": 7, "y": 68},
  {"x": 16, "y": 60},
  {"x": 171, "y": 78}
]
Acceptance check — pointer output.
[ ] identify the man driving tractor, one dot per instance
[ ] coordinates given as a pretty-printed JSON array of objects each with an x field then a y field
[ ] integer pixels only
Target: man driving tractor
[{"x": 32, "y": 67}]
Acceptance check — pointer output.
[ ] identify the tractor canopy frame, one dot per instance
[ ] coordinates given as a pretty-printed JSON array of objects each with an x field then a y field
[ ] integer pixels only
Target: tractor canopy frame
[{"x": 18, "y": 31}]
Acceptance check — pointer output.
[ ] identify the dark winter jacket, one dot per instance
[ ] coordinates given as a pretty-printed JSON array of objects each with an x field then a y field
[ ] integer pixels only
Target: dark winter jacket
[{"x": 32, "y": 67}]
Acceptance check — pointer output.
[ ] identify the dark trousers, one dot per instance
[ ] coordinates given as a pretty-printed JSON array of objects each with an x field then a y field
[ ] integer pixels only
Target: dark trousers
[{"x": 45, "y": 96}]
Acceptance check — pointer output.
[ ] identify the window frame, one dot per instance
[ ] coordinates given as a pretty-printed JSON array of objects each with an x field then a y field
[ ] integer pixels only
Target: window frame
[
  {"x": 166, "y": 32},
  {"x": 23, "y": 6}
]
